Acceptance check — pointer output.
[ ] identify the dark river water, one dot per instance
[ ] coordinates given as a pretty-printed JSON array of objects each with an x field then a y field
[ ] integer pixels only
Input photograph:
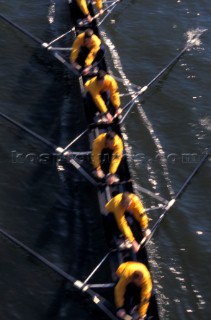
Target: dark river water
[{"x": 166, "y": 134}]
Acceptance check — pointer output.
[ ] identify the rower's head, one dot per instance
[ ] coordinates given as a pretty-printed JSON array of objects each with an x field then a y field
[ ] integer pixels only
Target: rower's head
[
  {"x": 88, "y": 36},
  {"x": 101, "y": 77},
  {"x": 137, "y": 278},
  {"x": 126, "y": 200},
  {"x": 109, "y": 139}
]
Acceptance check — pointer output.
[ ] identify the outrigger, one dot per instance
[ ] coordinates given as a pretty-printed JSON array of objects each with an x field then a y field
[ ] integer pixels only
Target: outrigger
[{"x": 116, "y": 254}]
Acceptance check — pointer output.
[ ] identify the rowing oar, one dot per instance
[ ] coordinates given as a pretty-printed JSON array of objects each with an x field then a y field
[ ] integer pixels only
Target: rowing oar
[
  {"x": 83, "y": 22},
  {"x": 96, "y": 268},
  {"x": 95, "y": 297},
  {"x": 43, "y": 44},
  {"x": 189, "y": 44},
  {"x": 131, "y": 103},
  {"x": 106, "y": 9},
  {"x": 60, "y": 150},
  {"x": 145, "y": 240},
  {"x": 112, "y": 6}
]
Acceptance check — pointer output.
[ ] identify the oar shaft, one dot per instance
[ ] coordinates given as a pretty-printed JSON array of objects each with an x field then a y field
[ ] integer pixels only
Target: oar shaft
[
  {"x": 43, "y": 44},
  {"x": 32, "y": 133},
  {"x": 170, "y": 64},
  {"x": 171, "y": 202},
  {"x": 74, "y": 140},
  {"x": 95, "y": 297},
  {"x": 21, "y": 29},
  {"x": 193, "y": 174},
  {"x": 108, "y": 13},
  {"x": 60, "y": 150},
  {"x": 106, "y": 9},
  {"x": 63, "y": 35},
  {"x": 96, "y": 268},
  {"x": 72, "y": 29},
  {"x": 83, "y": 172}
]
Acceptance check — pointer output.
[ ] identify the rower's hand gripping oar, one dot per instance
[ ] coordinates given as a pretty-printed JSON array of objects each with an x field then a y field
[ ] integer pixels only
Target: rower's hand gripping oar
[
  {"x": 60, "y": 150},
  {"x": 106, "y": 9},
  {"x": 145, "y": 240},
  {"x": 81, "y": 23},
  {"x": 130, "y": 104}
]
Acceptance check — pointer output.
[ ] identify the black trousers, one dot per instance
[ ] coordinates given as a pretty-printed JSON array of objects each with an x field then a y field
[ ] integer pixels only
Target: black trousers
[
  {"x": 83, "y": 53},
  {"x": 91, "y": 108},
  {"x": 132, "y": 297}
]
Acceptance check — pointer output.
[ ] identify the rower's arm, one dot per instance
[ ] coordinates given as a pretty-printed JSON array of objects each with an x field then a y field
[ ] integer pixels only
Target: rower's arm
[
  {"x": 96, "y": 154},
  {"x": 95, "y": 47},
  {"x": 75, "y": 50},
  {"x": 124, "y": 227},
  {"x": 119, "y": 293},
  {"x": 145, "y": 297},
  {"x": 114, "y": 93},
  {"x": 83, "y": 6},
  {"x": 139, "y": 213},
  {"x": 116, "y": 157},
  {"x": 99, "y": 102},
  {"x": 99, "y": 4}
]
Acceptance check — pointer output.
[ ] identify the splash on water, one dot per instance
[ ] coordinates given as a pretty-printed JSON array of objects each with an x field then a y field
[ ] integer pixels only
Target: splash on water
[
  {"x": 130, "y": 88},
  {"x": 51, "y": 12},
  {"x": 193, "y": 37},
  {"x": 206, "y": 123}
]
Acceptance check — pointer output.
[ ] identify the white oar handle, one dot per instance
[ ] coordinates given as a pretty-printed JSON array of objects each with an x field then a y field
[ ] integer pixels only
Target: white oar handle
[
  {"x": 106, "y": 9},
  {"x": 170, "y": 204},
  {"x": 97, "y": 15},
  {"x": 143, "y": 89},
  {"x": 59, "y": 149}
]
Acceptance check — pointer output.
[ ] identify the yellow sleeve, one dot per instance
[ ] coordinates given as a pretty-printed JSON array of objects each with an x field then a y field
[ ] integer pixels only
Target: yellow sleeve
[
  {"x": 119, "y": 292},
  {"x": 145, "y": 297},
  {"x": 120, "y": 219},
  {"x": 109, "y": 205},
  {"x": 99, "y": 4},
  {"x": 123, "y": 226},
  {"x": 125, "y": 229},
  {"x": 87, "y": 84},
  {"x": 96, "y": 152},
  {"x": 94, "y": 49},
  {"x": 116, "y": 156},
  {"x": 83, "y": 6},
  {"x": 114, "y": 93},
  {"x": 98, "y": 100},
  {"x": 75, "y": 50},
  {"x": 139, "y": 213}
]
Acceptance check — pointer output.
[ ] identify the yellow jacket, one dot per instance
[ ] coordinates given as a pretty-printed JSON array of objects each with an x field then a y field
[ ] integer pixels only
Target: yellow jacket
[
  {"x": 97, "y": 147},
  {"x": 95, "y": 90},
  {"x": 93, "y": 47},
  {"x": 137, "y": 210},
  {"x": 83, "y": 6},
  {"x": 125, "y": 272}
]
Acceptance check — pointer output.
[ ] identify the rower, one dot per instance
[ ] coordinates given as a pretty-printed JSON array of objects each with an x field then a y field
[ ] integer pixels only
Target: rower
[
  {"x": 83, "y": 6},
  {"x": 102, "y": 89},
  {"x": 107, "y": 150},
  {"x": 124, "y": 203},
  {"x": 86, "y": 50},
  {"x": 133, "y": 288}
]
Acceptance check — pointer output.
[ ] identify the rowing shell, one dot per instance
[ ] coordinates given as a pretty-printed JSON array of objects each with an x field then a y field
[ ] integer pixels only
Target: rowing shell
[{"x": 106, "y": 192}]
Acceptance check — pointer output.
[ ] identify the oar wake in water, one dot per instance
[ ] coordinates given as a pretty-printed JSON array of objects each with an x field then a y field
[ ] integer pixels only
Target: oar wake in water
[{"x": 145, "y": 240}]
